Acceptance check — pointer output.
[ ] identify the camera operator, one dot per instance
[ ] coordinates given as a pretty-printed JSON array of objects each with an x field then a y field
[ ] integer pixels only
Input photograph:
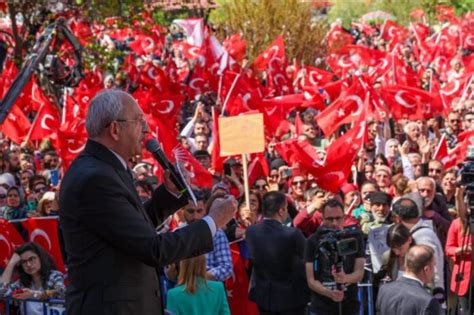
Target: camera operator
[{"x": 327, "y": 298}]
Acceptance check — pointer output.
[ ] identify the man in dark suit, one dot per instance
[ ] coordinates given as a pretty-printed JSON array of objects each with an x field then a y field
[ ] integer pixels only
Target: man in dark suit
[
  {"x": 112, "y": 247},
  {"x": 277, "y": 283},
  {"x": 408, "y": 295}
]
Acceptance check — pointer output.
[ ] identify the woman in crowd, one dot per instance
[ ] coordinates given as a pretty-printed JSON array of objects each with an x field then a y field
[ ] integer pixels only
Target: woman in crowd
[
  {"x": 194, "y": 294},
  {"x": 399, "y": 240},
  {"x": 459, "y": 249},
  {"x": 448, "y": 184},
  {"x": 38, "y": 277},
  {"x": 15, "y": 207},
  {"x": 48, "y": 205}
]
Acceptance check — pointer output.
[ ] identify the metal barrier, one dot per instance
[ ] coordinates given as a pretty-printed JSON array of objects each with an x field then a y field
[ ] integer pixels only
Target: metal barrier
[{"x": 50, "y": 307}]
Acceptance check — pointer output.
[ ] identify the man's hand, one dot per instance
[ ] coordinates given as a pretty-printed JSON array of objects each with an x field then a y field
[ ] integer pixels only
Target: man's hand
[
  {"x": 340, "y": 277},
  {"x": 335, "y": 295},
  {"x": 170, "y": 186},
  {"x": 223, "y": 210}
]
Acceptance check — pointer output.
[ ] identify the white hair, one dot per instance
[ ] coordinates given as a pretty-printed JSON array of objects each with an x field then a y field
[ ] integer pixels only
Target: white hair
[
  {"x": 408, "y": 125},
  {"x": 430, "y": 179},
  {"x": 105, "y": 107}
]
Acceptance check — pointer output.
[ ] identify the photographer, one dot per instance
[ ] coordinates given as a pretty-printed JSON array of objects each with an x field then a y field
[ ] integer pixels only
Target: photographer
[{"x": 327, "y": 298}]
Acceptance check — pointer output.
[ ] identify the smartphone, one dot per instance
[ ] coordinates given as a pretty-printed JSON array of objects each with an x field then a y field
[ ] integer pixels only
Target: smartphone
[
  {"x": 54, "y": 177},
  {"x": 227, "y": 169}
]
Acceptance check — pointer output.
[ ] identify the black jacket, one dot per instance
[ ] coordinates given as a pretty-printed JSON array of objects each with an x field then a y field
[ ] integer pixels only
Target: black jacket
[
  {"x": 112, "y": 247},
  {"x": 278, "y": 280}
]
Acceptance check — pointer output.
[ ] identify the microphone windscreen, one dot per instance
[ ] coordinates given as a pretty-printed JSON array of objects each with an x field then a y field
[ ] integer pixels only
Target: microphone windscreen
[{"x": 152, "y": 145}]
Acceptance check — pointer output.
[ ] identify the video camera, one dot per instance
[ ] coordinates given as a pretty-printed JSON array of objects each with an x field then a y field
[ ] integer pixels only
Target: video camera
[
  {"x": 467, "y": 178},
  {"x": 339, "y": 243}
]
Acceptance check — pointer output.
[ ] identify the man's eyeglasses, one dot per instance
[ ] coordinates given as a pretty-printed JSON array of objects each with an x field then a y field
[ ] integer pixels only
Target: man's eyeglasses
[
  {"x": 453, "y": 121},
  {"x": 140, "y": 120},
  {"x": 260, "y": 186},
  {"x": 435, "y": 170},
  {"x": 27, "y": 261}
]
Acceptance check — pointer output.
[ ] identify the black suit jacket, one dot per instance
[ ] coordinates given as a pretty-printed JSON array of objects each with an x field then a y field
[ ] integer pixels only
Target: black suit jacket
[
  {"x": 406, "y": 296},
  {"x": 278, "y": 280},
  {"x": 112, "y": 247}
]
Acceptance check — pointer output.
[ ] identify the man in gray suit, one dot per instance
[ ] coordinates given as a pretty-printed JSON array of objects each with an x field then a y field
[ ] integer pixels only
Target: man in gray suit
[{"x": 408, "y": 295}]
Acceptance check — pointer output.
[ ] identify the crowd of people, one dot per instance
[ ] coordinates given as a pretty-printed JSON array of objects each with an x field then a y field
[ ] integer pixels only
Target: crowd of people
[{"x": 398, "y": 192}]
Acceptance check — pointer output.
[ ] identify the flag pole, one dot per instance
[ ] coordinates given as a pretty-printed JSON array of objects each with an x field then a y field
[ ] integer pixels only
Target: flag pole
[
  {"x": 246, "y": 179},
  {"x": 230, "y": 92}
]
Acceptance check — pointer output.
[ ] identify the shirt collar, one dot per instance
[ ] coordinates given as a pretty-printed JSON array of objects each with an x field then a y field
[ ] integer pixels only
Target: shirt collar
[
  {"x": 124, "y": 163},
  {"x": 414, "y": 278}
]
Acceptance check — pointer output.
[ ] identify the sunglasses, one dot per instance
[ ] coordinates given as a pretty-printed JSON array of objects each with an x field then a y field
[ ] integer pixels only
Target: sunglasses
[
  {"x": 435, "y": 170},
  {"x": 299, "y": 182},
  {"x": 40, "y": 190},
  {"x": 260, "y": 186}
]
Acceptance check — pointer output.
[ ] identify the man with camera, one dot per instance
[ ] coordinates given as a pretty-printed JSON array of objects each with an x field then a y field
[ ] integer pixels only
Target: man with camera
[{"x": 334, "y": 264}]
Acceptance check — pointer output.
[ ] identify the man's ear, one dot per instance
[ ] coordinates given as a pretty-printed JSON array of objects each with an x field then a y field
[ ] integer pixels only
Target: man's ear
[{"x": 113, "y": 130}]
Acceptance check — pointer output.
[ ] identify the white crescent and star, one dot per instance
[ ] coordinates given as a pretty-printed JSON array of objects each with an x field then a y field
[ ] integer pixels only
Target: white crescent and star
[
  {"x": 39, "y": 232},
  {"x": 44, "y": 125},
  {"x": 400, "y": 100}
]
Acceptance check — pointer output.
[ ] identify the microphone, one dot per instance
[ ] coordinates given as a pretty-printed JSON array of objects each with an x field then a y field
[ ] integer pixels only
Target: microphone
[{"x": 153, "y": 146}]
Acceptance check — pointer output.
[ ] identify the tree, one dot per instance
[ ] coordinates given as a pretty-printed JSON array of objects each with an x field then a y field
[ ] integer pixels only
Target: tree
[{"x": 261, "y": 21}]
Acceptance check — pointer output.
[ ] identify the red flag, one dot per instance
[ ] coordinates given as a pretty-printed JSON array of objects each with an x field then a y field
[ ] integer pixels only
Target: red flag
[
  {"x": 258, "y": 167},
  {"x": 275, "y": 52},
  {"x": 238, "y": 286},
  {"x": 442, "y": 154},
  {"x": 410, "y": 103},
  {"x": 196, "y": 173},
  {"x": 299, "y": 128},
  {"x": 46, "y": 122},
  {"x": 71, "y": 140},
  {"x": 16, "y": 125},
  {"x": 338, "y": 37},
  {"x": 345, "y": 109},
  {"x": 236, "y": 46},
  {"x": 44, "y": 231},
  {"x": 10, "y": 239},
  {"x": 340, "y": 156}
]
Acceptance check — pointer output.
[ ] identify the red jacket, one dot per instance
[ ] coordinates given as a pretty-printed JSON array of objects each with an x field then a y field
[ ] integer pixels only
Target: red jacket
[
  {"x": 455, "y": 240},
  {"x": 308, "y": 224}
]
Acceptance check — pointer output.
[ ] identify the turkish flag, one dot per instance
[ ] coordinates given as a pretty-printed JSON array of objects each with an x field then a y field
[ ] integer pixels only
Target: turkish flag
[
  {"x": 44, "y": 231},
  {"x": 238, "y": 286},
  {"x": 274, "y": 53},
  {"x": 338, "y": 37},
  {"x": 258, "y": 168},
  {"x": 10, "y": 240},
  {"x": 196, "y": 174},
  {"x": 316, "y": 76},
  {"x": 441, "y": 154},
  {"x": 71, "y": 140},
  {"x": 340, "y": 156},
  {"x": 345, "y": 109},
  {"x": 143, "y": 45},
  {"x": 16, "y": 125},
  {"x": 47, "y": 121},
  {"x": 235, "y": 46},
  {"x": 410, "y": 102}
]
